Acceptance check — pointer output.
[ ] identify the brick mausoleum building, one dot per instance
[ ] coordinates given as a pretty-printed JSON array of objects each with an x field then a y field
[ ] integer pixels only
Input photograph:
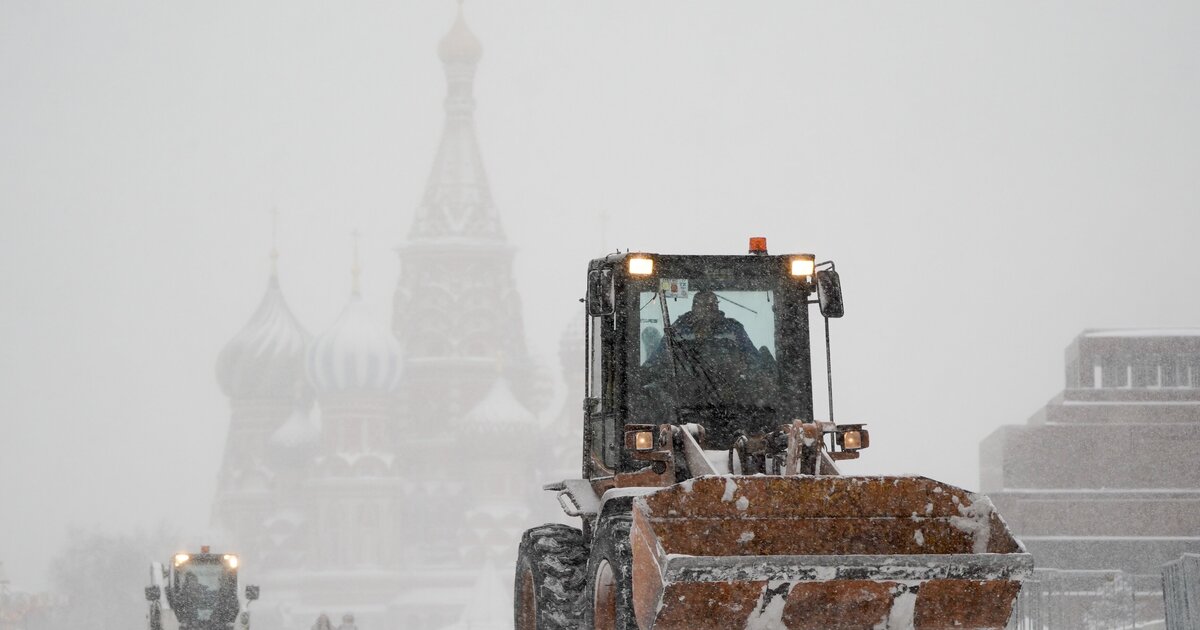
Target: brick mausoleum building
[{"x": 1103, "y": 484}]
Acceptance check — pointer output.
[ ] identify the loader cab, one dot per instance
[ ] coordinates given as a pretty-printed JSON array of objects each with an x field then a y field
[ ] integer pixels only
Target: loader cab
[
  {"x": 201, "y": 590},
  {"x": 743, "y": 366}
]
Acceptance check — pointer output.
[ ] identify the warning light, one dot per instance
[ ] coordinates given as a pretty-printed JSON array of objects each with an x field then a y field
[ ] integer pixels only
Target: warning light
[{"x": 758, "y": 245}]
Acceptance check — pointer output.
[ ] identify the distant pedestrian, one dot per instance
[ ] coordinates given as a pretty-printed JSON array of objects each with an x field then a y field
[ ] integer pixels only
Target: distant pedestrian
[
  {"x": 347, "y": 622},
  {"x": 323, "y": 623}
]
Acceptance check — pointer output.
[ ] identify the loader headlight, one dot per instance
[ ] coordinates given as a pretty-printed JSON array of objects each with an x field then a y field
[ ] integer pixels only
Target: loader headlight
[
  {"x": 180, "y": 558},
  {"x": 803, "y": 265},
  {"x": 231, "y": 560},
  {"x": 641, "y": 266},
  {"x": 641, "y": 439},
  {"x": 852, "y": 437}
]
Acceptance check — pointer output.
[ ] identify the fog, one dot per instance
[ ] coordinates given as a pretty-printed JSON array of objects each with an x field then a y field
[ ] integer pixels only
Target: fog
[{"x": 991, "y": 180}]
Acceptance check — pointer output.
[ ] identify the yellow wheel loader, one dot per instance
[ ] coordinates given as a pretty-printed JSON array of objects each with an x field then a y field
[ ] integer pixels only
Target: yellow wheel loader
[{"x": 710, "y": 496}]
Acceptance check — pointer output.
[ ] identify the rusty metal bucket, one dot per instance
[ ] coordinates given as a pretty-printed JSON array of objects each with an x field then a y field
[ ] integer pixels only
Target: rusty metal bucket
[{"x": 822, "y": 553}]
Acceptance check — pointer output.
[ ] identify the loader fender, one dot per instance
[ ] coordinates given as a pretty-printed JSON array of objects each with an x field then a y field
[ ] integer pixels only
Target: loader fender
[{"x": 620, "y": 500}]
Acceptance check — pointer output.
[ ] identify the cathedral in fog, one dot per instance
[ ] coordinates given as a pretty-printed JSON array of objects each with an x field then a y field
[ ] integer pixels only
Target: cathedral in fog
[{"x": 388, "y": 468}]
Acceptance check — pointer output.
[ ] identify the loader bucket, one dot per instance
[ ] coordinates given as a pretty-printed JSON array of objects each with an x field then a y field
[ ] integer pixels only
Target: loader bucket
[{"x": 821, "y": 553}]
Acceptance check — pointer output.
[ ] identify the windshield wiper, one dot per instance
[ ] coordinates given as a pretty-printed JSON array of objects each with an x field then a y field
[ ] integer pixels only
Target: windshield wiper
[
  {"x": 743, "y": 306},
  {"x": 675, "y": 348}
]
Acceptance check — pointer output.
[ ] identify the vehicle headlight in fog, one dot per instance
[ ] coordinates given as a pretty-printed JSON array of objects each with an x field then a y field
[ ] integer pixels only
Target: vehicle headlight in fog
[
  {"x": 180, "y": 558},
  {"x": 231, "y": 560},
  {"x": 641, "y": 266},
  {"x": 643, "y": 440},
  {"x": 803, "y": 265},
  {"x": 852, "y": 437}
]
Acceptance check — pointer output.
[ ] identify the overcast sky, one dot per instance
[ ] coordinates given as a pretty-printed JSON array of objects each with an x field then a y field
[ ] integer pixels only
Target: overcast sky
[{"x": 991, "y": 178}]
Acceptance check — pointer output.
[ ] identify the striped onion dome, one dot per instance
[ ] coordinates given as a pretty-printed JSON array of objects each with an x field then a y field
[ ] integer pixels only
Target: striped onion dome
[
  {"x": 266, "y": 358},
  {"x": 499, "y": 410},
  {"x": 355, "y": 355}
]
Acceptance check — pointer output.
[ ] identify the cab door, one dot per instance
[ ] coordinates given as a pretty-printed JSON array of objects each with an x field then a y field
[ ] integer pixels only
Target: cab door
[{"x": 602, "y": 421}]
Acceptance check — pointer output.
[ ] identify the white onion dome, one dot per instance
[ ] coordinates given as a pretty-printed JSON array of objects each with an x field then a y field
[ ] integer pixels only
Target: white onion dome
[
  {"x": 460, "y": 45},
  {"x": 355, "y": 355},
  {"x": 499, "y": 410},
  {"x": 266, "y": 358},
  {"x": 296, "y": 440}
]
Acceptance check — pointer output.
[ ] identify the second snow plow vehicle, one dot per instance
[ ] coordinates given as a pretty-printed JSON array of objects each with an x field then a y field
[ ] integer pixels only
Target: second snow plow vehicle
[
  {"x": 202, "y": 593},
  {"x": 710, "y": 498}
]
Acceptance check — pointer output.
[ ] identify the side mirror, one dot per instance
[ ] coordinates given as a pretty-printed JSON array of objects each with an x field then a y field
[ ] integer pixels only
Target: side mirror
[
  {"x": 251, "y": 592},
  {"x": 153, "y": 594},
  {"x": 600, "y": 292},
  {"x": 829, "y": 293}
]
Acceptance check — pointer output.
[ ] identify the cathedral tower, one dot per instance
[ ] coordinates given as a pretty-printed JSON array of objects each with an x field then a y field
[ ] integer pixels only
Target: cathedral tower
[{"x": 456, "y": 308}]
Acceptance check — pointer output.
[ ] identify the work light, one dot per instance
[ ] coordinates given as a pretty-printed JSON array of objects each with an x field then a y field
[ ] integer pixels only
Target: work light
[
  {"x": 641, "y": 266},
  {"x": 803, "y": 265}
]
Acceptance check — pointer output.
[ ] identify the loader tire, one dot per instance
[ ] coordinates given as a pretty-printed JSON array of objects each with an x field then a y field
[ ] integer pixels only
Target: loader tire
[
  {"x": 550, "y": 578},
  {"x": 609, "y": 593}
]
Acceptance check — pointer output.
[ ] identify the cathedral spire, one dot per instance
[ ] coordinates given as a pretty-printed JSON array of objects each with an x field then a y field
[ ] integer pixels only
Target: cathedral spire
[
  {"x": 458, "y": 200},
  {"x": 275, "y": 245},
  {"x": 274, "y": 242}
]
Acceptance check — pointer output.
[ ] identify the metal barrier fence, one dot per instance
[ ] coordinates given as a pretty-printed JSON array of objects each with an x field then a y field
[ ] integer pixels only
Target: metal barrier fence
[
  {"x": 1057, "y": 599},
  {"x": 1181, "y": 592}
]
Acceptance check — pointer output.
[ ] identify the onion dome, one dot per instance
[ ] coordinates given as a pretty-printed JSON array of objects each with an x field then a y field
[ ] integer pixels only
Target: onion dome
[
  {"x": 499, "y": 410},
  {"x": 265, "y": 359},
  {"x": 460, "y": 45},
  {"x": 355, "y": 355}
]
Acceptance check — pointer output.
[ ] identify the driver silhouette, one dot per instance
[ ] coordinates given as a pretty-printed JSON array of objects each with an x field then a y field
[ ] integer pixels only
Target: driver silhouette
[{"x": 707, "y": 329}]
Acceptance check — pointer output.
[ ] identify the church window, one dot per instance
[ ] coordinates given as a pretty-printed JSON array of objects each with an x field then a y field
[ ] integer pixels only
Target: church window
[
  {"x": 375, "y": 438},
  {"x": 368, "y": 534}
]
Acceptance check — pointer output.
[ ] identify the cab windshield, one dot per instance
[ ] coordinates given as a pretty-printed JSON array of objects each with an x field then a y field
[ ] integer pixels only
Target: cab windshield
[
  {"x": 206, "y": 592},
  {"x": 715, "y": 364}
]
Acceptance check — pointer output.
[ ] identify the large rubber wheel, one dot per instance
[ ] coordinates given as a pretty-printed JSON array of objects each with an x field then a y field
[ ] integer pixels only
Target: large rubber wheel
[
  {"x": 551, "y": 564},
  {"x": 609, "y": 593}
]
